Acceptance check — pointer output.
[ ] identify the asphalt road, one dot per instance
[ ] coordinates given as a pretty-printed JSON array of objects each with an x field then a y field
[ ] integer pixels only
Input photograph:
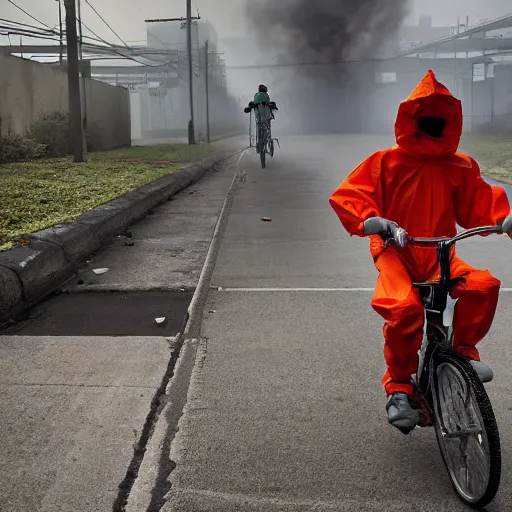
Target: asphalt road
[{"x": 286, "y": 411}]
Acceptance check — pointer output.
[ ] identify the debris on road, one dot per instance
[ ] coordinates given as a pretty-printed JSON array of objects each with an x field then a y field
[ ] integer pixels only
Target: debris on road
[
  {"x": 266, "y": 219},
  {"x": 100, "y": 271},
  {"x": 160, "y": 320}
]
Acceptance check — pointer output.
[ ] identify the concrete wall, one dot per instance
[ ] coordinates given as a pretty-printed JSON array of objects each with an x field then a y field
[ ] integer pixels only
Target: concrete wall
[
  {"x": 108, "y": 115},
  {"x": 29, "y": 89}
]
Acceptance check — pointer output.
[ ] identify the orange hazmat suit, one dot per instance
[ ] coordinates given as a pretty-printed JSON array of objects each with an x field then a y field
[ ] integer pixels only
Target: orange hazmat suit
[{"x": 428, "y": 188}]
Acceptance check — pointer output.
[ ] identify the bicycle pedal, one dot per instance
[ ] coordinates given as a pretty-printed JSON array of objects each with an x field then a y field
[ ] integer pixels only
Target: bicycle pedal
[{"x": 425, "y": 414}]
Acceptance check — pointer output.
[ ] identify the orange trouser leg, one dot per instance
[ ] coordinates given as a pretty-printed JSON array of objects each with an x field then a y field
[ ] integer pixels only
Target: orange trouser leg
[
  {"x": 475, "y": 309},
  {"x": 399, "y": 304}
]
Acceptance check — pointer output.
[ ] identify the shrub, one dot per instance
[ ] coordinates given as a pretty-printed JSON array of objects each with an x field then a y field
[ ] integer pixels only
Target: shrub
[
  {"x": 54, "y": 132},
  {"x": 15, "y": 148}
]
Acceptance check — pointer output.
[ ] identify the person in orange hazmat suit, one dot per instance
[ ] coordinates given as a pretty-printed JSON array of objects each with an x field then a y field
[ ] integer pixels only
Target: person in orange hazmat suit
[{"x": 426, "y": 187}]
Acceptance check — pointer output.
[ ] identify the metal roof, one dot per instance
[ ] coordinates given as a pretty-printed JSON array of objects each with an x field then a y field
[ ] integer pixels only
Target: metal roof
[{"x": 496, "y": 24}]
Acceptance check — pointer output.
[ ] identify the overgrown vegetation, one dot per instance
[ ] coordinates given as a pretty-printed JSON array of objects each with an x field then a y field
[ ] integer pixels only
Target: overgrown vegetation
[
  {"x": 48, "y": 137},
  {"x": 493, "y": 153},
  {"x": 40, "y": 193},
  {"x": 54, "y": 132},
  {"x": 15, "y": 148}
]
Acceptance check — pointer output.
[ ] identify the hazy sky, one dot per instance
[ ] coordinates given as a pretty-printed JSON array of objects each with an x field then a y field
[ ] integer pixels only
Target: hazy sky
[{"x": 127, "y": 16}]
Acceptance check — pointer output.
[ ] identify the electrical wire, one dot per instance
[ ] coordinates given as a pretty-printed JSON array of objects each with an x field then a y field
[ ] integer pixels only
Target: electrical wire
[
  {"x": 23, "y": 24},
  {"x": 102, "y": 19},
  {"x": 27, "y": 13},
  {"x": 9, "y": 28},
  {"x": 117, "y": 52}
]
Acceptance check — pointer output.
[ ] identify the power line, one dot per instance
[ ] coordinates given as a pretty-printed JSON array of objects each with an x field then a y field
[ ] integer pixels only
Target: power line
[
  {"x": 114, "y": 50},
  {"x": 102, "y": 19},
  {"x": 23, "y": 24},
  {"x": 16, "y": 28},
  {"x": 313, "y": 64},
  {"x": 28, "y": 14},
  {"x": 134, "y": 2}
]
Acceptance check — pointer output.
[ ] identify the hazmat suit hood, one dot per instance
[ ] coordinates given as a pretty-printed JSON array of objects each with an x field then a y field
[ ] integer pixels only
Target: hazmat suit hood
[{"x": 430, "y": 99}]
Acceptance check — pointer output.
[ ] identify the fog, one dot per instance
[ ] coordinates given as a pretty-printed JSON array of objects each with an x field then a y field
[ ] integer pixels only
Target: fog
[
  {"x": 267, "y": 34},
  {"x": 304, "y": 43}
]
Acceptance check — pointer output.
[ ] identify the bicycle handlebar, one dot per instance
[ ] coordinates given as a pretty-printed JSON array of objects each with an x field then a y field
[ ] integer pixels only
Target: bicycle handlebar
[
  {"x": 457, "y": 238},
  {"x": 447, "y": 241}
]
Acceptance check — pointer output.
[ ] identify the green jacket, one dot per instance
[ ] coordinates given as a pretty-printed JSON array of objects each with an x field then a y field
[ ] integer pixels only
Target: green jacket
[{"x": 261, "y": 97}]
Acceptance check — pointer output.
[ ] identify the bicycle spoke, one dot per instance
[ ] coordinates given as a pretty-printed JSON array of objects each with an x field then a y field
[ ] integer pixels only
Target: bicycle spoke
[{"x": 462, "y": 433}]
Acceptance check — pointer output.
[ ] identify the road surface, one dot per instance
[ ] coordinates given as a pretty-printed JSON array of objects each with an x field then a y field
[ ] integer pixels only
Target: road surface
[{"x": 285, "y": 409}]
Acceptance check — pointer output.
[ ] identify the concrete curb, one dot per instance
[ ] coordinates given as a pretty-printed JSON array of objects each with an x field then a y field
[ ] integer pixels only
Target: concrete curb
[
  {"x": 195, "y": 309},
  {"x": 30, "y": 273}
]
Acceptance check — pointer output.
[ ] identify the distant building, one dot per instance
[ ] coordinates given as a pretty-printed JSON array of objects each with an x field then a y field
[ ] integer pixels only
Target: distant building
[{"x": 411, "y": 36}]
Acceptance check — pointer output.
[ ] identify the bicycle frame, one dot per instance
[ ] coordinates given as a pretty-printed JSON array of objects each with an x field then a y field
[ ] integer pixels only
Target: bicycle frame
[
  {"x": 263, "y": 127},
  {"x": 439, "y": 306}
]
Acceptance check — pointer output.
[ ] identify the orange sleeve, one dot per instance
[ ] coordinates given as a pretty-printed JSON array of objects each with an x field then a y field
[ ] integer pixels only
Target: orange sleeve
[
  {"x": 355, "y": 200},
  {"x": 477, "y": 203}
]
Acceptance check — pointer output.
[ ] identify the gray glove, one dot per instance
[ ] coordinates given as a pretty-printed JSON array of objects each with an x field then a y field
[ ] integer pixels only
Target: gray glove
[
  {"x": 387, "y": 229},
  {"x": 506, "y": 225}
]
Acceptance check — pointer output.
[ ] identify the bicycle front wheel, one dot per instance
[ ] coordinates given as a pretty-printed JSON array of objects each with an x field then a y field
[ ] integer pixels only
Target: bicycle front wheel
[{"x": 466, "y": 430}]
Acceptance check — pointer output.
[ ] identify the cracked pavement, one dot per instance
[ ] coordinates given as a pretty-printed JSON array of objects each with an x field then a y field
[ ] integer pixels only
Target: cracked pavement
[{"x": 79, "y": 377}]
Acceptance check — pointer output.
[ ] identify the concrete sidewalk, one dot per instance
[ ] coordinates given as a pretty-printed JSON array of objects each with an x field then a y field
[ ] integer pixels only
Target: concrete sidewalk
[{"x": 77, "y": 409}]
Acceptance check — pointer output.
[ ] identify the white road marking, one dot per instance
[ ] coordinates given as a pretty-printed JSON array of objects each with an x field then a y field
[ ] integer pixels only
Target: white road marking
[
  {"x": 222, "y": 289},
  {"x": 248, "y": 290}
]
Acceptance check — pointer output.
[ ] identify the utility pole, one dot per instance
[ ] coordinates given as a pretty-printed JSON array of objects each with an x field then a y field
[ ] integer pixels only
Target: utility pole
[
  {"x": 61, "y": 35},
  {"x": 191, "y": 129},
  {"x": 207, "y": 72},
  {"x": 188, "y": 21},
  {"x": 75, "y": 106},
  {"x": 81, "y": 56}
]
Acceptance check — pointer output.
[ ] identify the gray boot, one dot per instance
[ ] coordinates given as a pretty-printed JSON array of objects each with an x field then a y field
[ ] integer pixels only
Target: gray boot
[{"x": 401, "y": 414}]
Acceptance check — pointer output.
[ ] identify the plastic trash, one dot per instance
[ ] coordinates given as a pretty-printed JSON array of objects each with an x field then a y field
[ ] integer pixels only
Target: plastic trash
[
  {"x": 160, "y": 320},
  {"x": 100, "y": 271}
]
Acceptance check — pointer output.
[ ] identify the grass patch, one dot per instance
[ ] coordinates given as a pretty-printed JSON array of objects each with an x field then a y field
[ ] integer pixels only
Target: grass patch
[
  {"x": 38, "y": 194},
  {"x": 493, "y": 153}
]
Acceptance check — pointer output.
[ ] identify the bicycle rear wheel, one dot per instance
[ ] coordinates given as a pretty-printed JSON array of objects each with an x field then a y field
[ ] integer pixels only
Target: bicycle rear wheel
[{"x": 466, "y": 430}]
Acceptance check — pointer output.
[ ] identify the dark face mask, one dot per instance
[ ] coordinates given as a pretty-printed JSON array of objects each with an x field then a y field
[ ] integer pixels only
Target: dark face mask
[{"x": 433, "y": 126}]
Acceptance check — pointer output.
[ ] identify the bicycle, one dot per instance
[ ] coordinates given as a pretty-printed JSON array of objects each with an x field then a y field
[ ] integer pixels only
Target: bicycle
[
  {"x": 449, "y": 394},
  {"x": 264, "y": 141}
]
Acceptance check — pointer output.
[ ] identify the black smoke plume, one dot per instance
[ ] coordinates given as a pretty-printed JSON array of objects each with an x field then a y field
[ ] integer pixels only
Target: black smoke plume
[
  {"x": 333, "y": 94},
  {"x": 326, "y": 30}
]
